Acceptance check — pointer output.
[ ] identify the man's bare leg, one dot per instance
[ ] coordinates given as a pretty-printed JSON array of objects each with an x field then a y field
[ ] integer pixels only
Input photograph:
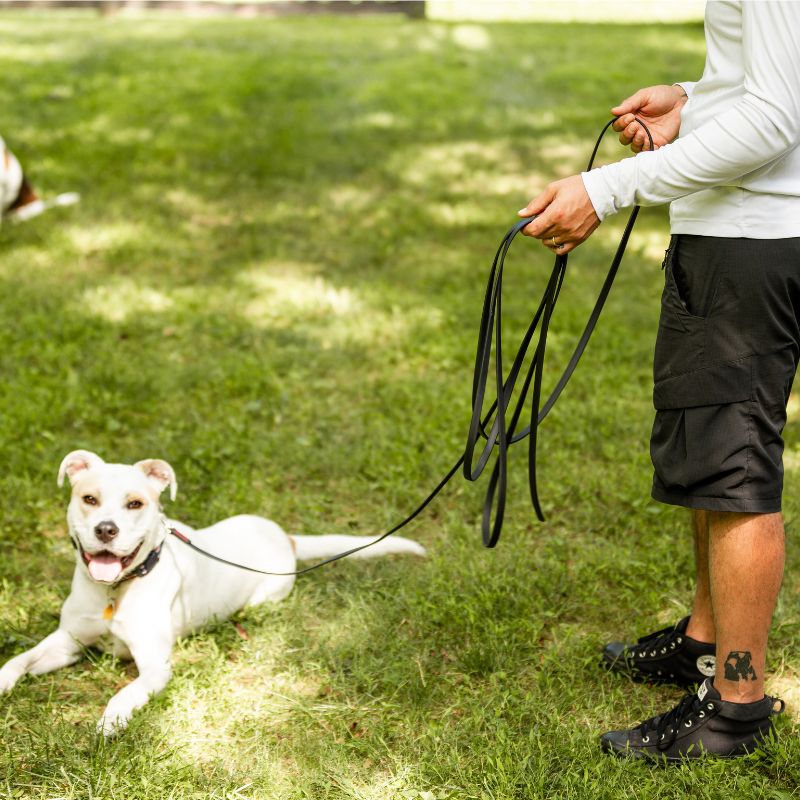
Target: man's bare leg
[
  {"x": 745, "y": 566},
  {"x": 745, "y": 557},
  {"x": 701, "y": 625}
]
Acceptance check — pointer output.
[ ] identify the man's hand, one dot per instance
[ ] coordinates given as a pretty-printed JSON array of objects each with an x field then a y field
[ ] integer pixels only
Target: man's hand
[
  {"x": 564, "y": 213},
  {"x": 659, "y": 107}
]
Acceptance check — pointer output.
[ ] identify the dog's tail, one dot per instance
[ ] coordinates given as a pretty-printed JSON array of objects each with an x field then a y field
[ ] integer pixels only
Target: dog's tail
[{"x": 307, "y": 547}]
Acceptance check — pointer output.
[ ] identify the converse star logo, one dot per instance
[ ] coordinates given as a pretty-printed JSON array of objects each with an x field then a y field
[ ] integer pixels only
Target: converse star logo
[{"x": 707, "y": 665}]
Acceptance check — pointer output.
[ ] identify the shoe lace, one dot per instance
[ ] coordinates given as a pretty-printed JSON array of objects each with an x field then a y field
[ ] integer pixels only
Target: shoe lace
[
  {"x": 689, "y": 706},
  {"x": 663, "y": 640},
  {"x": 660, "y": 638}
]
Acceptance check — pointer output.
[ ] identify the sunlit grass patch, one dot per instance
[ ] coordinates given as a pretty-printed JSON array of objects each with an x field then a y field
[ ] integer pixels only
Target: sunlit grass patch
[
  {"x": 290, "y": 289},
  {"x": 122, "y": 300},
  {"x": 465, "y": 167},
  {"x": 280, "y": 294}
]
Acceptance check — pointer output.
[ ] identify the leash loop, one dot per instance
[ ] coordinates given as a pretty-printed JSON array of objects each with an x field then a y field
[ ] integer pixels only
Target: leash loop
[{"x": 502, "y": 434}]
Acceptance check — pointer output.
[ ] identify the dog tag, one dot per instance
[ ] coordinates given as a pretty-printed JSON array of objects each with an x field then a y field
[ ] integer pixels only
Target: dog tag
[{"x": 108, "y": 612}]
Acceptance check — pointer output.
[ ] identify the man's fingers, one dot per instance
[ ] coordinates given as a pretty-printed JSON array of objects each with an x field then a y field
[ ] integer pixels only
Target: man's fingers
[
  {"x": 536, "y": 228},
  {"x": 546, "y": 232},
  {"x": 640, "y": 140},
  {"x": 623, "y": 122},
  {"x": 561, "y": 249},
  {"x": 627, "y": 136},
  {"x": 633, "y": 130},
  {"x": 538, "y": 204},
  {"x": 544, "y": 227},
  {"x": 635, "y": 136},
  {"x": 630, "y": 105}
]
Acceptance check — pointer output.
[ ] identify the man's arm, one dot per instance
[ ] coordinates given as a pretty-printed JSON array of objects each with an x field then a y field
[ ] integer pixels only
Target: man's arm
[
  {"x": 758, "y": 129},
  {"x": 762, "y": 126}
]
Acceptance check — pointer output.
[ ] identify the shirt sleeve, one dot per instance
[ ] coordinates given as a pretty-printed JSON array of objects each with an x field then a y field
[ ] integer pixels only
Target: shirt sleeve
[{"x": 762, "y": 126}]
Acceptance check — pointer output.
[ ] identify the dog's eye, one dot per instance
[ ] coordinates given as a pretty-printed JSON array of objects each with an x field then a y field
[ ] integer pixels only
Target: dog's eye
[
  {"x": 89, "y": 499},
  {"x": 135, "y": 504}
]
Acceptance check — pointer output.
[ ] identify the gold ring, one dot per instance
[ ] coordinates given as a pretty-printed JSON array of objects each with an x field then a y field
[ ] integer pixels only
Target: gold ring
[{"x": 555, "y": 243}]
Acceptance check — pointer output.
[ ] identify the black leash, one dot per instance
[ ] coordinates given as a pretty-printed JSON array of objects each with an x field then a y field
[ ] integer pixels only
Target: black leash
[{"x": 502, "y": 434}]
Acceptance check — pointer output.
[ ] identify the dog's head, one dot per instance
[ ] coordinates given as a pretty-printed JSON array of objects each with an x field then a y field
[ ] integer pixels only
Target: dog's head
[{"x": 114, "y": 515}]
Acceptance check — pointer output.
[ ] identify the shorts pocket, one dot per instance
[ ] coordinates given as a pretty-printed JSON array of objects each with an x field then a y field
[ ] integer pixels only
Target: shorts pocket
[
  {"x": 688, "y": 309},
  {"x": 716, "y": 384},
  {"x": 701, "y": 436},
  {"x": 680, "y": 343}
]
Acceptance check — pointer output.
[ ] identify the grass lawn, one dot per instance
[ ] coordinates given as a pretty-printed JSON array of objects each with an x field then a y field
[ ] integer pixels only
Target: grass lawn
[{"x": 274, "y": 282}]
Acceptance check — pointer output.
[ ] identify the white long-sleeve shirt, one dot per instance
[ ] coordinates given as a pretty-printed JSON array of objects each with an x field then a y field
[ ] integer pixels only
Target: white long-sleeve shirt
[{"x": 734, "y": 170}]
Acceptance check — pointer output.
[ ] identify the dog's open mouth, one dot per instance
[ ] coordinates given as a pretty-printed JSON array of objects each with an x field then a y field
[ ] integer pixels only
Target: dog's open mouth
[{"x": 105, "y": 566}]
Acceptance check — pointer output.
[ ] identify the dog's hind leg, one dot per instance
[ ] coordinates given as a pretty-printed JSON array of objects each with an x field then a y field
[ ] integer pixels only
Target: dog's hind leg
[
  {"x": 271, "y": 591},
  {"x": 59, "y": 649}
]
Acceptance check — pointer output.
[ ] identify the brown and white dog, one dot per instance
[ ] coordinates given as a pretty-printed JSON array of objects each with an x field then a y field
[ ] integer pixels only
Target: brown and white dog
[
  {"x": 136, "y": 588},
  {"x": 18, "y": 200}
]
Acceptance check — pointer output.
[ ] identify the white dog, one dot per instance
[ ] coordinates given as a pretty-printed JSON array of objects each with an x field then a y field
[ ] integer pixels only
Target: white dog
[{"x": 136, "y": 588}]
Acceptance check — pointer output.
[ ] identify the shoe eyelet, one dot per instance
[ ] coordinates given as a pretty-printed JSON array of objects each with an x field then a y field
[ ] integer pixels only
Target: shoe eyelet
[
  {"x": 687, "y": 724},
  {"x": 645, "y": 739},
  {"x": 701, "y": 714},
  {"x": 679, "y": 640},
  {"x": 662, "y": 736},
  {"x": 672, "y": 646},
  {"x": 710, "y": 706},
  {"x": 663, "y": 649},
  {"x": 652, "y": 653}
]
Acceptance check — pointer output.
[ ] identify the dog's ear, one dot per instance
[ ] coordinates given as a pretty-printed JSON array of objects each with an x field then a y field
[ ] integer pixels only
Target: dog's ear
[
  {"x": 160, "y": 474},
  {"x": 75, "y": 463}
]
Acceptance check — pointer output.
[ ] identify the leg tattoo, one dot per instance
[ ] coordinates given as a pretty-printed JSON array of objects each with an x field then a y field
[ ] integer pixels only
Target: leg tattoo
[{"x": 738, "y": 666}]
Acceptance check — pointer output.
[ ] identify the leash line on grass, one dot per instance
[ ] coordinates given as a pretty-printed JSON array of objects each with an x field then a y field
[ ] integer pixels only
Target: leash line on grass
[{"x": 502, "y": 434}]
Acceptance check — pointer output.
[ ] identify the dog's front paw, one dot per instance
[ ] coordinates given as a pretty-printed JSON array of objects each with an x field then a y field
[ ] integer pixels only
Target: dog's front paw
[
  {"x": 9, "y": 675},
  {"x": 115, "y": 718}
]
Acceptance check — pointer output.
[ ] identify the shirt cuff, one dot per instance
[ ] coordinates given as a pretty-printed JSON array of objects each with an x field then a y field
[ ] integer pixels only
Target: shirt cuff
[
  {"x": 687, "y": 86},
  {"x": 599, "y": 193}
]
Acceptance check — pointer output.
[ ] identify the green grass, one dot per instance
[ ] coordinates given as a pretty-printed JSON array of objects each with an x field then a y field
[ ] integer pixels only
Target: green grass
[{"x": 273, "y": 282}]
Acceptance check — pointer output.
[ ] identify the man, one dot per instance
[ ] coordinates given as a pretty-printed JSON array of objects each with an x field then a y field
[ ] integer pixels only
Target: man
[{"x": 726, "y": 353}]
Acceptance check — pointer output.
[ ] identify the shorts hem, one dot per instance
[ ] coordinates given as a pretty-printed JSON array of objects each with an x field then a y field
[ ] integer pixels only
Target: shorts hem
[{"x": 743, "y": 505}]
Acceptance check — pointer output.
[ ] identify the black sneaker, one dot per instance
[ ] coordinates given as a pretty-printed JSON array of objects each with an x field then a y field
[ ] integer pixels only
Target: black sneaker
[
  {"x": 666, "y": 656},
  {"x": 701, "y": 724}
]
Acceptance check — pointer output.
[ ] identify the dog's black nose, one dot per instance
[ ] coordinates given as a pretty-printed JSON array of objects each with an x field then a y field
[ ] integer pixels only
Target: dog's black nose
[{"x": 105, "y": 531}]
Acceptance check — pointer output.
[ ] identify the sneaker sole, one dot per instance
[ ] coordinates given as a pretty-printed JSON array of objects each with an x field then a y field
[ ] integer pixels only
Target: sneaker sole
[{"x": 663, "y": 760}]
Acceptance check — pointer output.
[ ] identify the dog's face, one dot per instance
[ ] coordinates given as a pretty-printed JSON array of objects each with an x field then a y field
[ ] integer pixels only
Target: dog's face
[{"x": 114, "y": 514}]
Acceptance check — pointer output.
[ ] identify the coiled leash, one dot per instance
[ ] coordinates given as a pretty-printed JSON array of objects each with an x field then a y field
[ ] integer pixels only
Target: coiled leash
[{"x": 502, "y": 433}]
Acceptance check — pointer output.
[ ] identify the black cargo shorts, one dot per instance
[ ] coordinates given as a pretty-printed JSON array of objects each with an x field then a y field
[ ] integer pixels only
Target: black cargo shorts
[{"x": 726, "y": 354}]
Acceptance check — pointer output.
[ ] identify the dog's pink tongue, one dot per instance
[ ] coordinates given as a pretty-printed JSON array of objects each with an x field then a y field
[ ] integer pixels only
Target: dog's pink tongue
[{"x": 105, "y": 567}]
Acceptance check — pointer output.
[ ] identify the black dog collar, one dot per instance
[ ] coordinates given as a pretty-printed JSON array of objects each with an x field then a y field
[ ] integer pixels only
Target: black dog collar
[{"x": 145, "y": 566}]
